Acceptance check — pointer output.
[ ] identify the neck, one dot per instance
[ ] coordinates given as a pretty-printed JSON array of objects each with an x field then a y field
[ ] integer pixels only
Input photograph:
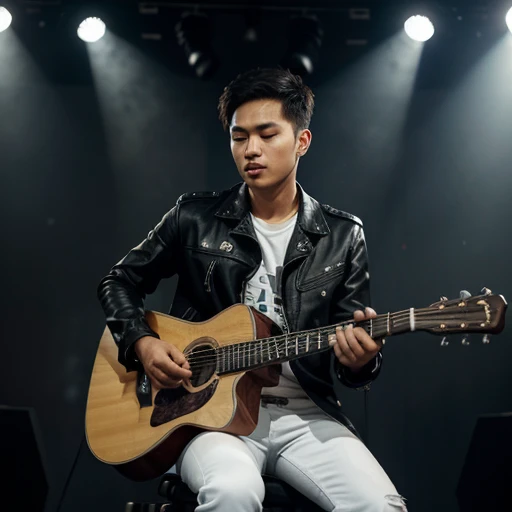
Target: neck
[{"x": 276, "y": 205}]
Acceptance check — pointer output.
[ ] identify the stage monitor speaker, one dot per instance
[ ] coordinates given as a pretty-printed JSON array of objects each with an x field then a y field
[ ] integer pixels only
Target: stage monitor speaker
[
  {"x": 485, "y": 479},
  {"x": 22, "y": 466}
]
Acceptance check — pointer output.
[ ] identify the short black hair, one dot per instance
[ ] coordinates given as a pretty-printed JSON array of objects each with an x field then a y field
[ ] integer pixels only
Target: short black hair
[{"x": 269, "y": 83}]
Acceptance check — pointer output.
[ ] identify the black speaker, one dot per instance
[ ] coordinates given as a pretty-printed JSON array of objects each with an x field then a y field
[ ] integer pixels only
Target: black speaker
[
  {"x": 23, "y": 475},
  {"x": 485, "y": 479}
]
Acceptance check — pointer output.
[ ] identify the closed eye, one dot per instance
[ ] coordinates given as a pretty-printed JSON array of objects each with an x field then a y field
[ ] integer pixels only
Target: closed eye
[{"x": 241, "y": 139}]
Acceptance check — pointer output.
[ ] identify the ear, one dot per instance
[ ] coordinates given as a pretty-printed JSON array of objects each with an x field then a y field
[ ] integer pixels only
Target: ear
[{"x": 304, "y": 141}]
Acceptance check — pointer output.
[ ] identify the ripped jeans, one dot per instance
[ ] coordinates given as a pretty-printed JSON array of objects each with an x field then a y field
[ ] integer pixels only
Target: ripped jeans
[{"x": 297, "y": 443}]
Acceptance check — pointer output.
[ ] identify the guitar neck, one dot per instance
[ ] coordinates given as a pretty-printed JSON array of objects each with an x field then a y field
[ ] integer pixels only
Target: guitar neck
[{"x": 250, "y": 355}]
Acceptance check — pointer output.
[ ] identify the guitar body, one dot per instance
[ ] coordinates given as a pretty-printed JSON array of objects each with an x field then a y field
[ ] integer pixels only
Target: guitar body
[
  {"x": 142, "y": 431},
  {"x": 143, "y": 442}
]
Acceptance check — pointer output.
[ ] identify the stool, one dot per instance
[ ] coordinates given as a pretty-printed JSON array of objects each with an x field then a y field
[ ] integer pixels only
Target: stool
[{"x": 279, "y": 497}]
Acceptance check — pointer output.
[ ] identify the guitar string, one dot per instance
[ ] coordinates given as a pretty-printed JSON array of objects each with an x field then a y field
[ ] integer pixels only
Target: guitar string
[
  {"x": 305, "y": 332},
  {"x": 251, "y": 348},
  {"x": 234, "y": 357},
  {"x": 290, "y": 339}
]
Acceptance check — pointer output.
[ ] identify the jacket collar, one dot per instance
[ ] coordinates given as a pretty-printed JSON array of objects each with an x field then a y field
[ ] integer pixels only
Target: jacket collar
[{"x": 310, "y": 217}]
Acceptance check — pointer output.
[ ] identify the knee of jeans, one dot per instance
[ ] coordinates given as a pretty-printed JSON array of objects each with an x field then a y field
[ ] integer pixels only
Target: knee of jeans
[{"x": 244, "y": 491}]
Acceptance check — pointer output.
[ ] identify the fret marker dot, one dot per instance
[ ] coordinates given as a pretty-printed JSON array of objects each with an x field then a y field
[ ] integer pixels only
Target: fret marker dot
[{"x": 324, "y": 293}]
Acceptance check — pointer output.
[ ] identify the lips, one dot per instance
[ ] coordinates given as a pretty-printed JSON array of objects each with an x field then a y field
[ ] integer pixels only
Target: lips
[
  {"x": 254, "y": 169},
  {"x": 255, "y": 172}
]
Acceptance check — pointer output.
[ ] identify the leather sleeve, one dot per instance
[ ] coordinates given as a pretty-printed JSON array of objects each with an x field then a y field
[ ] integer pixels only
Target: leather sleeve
[
  {"x": 353, "y": 294},
  {"x": 123, "y": 291}
]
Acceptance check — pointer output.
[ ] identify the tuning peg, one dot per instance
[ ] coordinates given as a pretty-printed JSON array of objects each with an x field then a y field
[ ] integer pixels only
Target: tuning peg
[
  {"x": 486, "y": 339},
  {"x": 486, "y": 291},
  {"x": 445, "y": 342},
  {"x": 465, "y": 341},
  {"x": 464, "y": 294},
  {"x": 443, "y": 298}
]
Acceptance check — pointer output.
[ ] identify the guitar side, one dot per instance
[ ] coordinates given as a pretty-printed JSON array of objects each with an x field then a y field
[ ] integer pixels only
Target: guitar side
[{"x": 119, "y": 430}]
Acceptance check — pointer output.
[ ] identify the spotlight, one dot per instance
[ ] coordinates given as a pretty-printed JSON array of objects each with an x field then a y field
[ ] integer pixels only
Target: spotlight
[
  {"x": 5, "y": 19},
  {"x": 91, "y": 30},
  {"x": 509, "y": 19},
  {"x": 419, "y": 28},
  {"x": 305, "y": 40},
  {"x": 194, "y": 34},
  {"x": 252, "y": 23}
]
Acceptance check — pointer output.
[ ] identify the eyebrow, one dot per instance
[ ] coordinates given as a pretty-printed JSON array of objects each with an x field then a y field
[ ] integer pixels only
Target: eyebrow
[{"x": 259, "y": 128}]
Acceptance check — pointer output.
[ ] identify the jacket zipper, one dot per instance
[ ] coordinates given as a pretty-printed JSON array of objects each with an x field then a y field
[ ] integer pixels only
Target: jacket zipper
[{"x": 207, "y": 280}]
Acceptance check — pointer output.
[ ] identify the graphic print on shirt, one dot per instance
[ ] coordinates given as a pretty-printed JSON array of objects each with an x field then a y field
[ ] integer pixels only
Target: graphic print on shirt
[{"x": 261, "y": 293}]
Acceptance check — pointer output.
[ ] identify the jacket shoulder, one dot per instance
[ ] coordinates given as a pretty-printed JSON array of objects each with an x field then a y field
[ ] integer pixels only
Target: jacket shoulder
[
  {"x": 341, "y": 214},
  {"x": 195, "y": 196}
]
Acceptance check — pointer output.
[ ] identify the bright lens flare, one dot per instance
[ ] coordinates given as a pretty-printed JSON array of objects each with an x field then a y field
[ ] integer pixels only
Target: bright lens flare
[
  {"x": 509, "y": 19},
  {"x": 5, "y": 19},
  {"x": 419, "y": 28},
  {"x": 91, "y": 30}
]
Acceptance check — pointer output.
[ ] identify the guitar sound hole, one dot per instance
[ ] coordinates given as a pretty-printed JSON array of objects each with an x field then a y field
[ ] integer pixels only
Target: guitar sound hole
[{"x": 203, "y": 361}]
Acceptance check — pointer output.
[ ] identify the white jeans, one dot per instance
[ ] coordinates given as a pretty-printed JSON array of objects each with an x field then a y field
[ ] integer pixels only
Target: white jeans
[{"x": 299, "y": 444}]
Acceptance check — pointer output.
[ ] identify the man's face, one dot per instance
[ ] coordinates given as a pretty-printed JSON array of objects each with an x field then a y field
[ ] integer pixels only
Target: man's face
[{"x": 263, "y": 144}]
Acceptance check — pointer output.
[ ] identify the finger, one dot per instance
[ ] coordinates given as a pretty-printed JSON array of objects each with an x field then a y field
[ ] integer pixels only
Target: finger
[
  {"x": 344, "y": 346},
  {"x": 171, "y": 369},
  {"x": 162, "y": 380},
  {"x": 337, "y": 350},
  {"x": 359, "y": 315},
  {"x": 370, "y": 312},
  {"x": 176, "y": 355},
  {"x": 353, "y": 342},
  {"x": 341, "y": 356},
  {"x": 179, "y": 358},
  {"x": 365, "y": 341}
]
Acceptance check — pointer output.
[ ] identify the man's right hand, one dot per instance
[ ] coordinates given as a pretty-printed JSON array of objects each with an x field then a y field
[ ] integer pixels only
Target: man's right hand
[{"x": 164, "y": 364}]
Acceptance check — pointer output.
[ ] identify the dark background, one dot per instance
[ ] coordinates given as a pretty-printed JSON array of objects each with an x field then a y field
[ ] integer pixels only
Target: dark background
[{"x": 95, "y": 146}]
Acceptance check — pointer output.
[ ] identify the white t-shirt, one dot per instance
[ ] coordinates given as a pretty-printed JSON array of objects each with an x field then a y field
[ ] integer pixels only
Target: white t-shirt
[{"x": 261, "y": 291}]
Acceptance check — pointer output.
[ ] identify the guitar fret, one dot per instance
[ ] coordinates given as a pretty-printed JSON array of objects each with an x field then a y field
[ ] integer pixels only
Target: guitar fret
[
  {"x": 319, "y": 340},
  {"x": 277, "y": 348},
  {"x": 297, "y": 345}
]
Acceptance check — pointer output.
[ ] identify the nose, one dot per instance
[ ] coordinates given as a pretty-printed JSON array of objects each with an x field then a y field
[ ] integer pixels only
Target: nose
[{"x": 253, "y": 148}]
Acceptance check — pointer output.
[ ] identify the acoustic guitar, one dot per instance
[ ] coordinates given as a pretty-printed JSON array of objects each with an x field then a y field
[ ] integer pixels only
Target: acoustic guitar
[{"x": 142, "y": 431}]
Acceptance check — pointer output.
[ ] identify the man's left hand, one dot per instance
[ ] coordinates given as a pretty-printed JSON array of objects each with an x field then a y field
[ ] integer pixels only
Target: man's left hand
[{"x": 354, "y": 347}]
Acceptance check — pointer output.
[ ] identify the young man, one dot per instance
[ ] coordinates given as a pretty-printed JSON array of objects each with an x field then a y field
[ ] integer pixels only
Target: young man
[{"x": 264, "y": 242}]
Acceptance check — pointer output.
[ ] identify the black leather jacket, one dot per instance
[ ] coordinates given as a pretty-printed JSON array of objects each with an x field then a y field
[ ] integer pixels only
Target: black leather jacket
[{"x": 208, "y": 240}]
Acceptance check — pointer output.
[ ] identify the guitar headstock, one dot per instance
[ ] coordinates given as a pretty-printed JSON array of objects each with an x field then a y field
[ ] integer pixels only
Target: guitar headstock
[{"x": 479, "y": 314}]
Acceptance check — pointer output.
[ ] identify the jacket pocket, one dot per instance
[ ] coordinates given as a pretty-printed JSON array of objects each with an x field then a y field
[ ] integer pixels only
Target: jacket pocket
[
  {"x": 208, "y": 278},
  {"x": 330, "y": 273}
]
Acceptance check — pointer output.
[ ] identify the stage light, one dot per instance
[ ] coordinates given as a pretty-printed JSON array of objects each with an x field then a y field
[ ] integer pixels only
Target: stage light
[
  {"x": 419, "y": 28},
  {"x": 91, "y": 30},
  {"x": 305, "y": 40},
  {"x": 194, "y": 35},
  {"x": 5, "y": 19},
  {"x": 509, "y": 19}
]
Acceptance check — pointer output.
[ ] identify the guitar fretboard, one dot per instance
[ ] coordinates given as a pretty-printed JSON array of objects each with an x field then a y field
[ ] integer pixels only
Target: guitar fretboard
[
  {"x": 254, "y": 354},
  {"x": 278, "y": 349}
]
